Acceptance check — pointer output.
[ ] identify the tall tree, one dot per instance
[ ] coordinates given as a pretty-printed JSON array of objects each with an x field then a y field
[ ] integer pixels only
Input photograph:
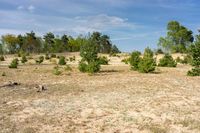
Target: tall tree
[
  {"x": 65, "y": 41},
  {"x": 49, "y": 42},
  {"x": 32, "y": 43},
  {"x": 178, "y": 38},
  {"x": 10, "y": 43}
]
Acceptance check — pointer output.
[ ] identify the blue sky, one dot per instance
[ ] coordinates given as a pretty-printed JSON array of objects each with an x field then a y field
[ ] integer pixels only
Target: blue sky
[{"x": 131, "y": 24}]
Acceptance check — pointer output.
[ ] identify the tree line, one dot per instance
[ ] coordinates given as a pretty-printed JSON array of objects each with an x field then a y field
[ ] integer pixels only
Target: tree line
[{"x": 49, "y": 43}]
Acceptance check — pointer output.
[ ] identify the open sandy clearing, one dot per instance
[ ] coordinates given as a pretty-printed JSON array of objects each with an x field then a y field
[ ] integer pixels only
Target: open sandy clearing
[{"x": 114, "y": 100}]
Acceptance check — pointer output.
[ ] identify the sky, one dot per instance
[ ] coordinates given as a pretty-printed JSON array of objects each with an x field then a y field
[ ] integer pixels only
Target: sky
[{"x": 131, "y": 24}]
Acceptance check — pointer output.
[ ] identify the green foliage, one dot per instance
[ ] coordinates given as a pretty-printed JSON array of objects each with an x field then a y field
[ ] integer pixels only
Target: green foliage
[
  {"x": 24, "y": 59},
  {"x": 167, "y": 61},
  {"x": 40, "y": 60},
  {"x": 90, "y": 61},
  {"x": 135, "y": 59},
  {"x": 194, "y": 72},
  {"x": 114, "y": 50},
  {"x": 72, "y": 58},
  {"x": 53, "y": 56},
  {"x": 68, "y": 68},
  {"x": 159, "y": 51},
  {"x": 82, "y": 66},
  {"x": 93, "y": 67},
  {"x": 103, "y": 60},
  {"x": 178, "y": 38},
  {"x": 56, "y": 71},
  {"x": 144, "y": 65},
  {"x": 62, "y": 60},
  {"x": 47, "y": 56},
  {"x": 14, "y": 63},
  {"x": 2, "y": 58},
  {"x": 126, "y": 60},
  {"x": 195, "y": 53}
]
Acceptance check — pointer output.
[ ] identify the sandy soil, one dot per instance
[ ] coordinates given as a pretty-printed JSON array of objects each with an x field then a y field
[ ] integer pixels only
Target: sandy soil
[{"x": 114, "y": 100}]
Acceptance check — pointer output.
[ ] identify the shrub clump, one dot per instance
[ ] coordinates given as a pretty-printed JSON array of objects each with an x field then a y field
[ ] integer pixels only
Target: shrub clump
[
  {"x": 14, "y": 63},
  {"x": 103, "y": 60},
  {"x": 47, "y": 57},
  {"x": 144, "y": 65},
  {"x": 89, "y": 62},
  {"x": 62, "y": 60},
  {"x": 72, "y": 58},
  {"x": 24, "y": 59},
  {"x": 2, "y": 58},
  {"x": 40, "y": 60},
  {"x": 195, "y": 54},
  {"x": 126, "y": 60},
  {"x": 135, "y": 60},
  {"x": 53, "y": 55},
  {"x": 167, "y": 61},
  {"x": 56, "y": 71}
]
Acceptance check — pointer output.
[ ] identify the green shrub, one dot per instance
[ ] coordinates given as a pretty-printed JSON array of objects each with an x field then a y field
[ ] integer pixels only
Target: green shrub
[
  {"x": 167, "y": 61},
  {"x": 62, "y": 60},
  {"x": 24, "y": 59},
  {"x": 194, "y": 72},
  {"x": 147, "y": 63},
  {"x": 126, "y": 60},
  {"x": 40, "y": 60},
  {"x": 82, "y": 66},
  {"x": 14, "y": 63},
  {"x": 187, "y": 60},
  {"x": 159, "y": 51},
  {"x": 56, "y": 71},
  {"x": 135, "y": 59},
  {"x": 103, "y": 60},
  {"x": 53, "y": 55},
  {"x": 89, "y": 62},
  {"x": 2, "y": 58},
  {"x": 178, "y": 60},
  {"x": 72, "y": 58},
  {"x": 93, "y": 67},
  {"x": 68, "y": 68},
  {"x": 47, "y": 57}
]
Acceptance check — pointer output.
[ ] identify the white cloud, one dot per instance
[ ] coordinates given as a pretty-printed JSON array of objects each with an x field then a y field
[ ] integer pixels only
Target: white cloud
[
  {"x": 31, "y": 8},
  {"x": 20, "y": 7}
]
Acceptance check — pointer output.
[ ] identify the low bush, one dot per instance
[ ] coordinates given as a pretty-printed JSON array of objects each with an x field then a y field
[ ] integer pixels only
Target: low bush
[
  {"x": 144, "y": 65},
  {"x": 14, "y": 63},
  {"x": 56, "y": 71},
  {"x": 2, "y": 58},
  {"x": 82, "y": 66},
  {"x": 103, "y": 60},
  {"x": 47, "y": 57},
  {"x": 40, "y": 60},
  {"x": 93, "y": 67},
  {"x": 126, "y": 60},
  {"x": 72, "y": 58},
  {"x": 24, "y": 59},
  {"x": 62, "y": 60},
  {"x": 167, "y": 61},
  {"x": 194, "y": 72},
  {"x": 187, "y": 60},
  {"x": 68, "y": 68},
  {"x": 134, "y": 60},
  {"x": 53, "y": 56}
]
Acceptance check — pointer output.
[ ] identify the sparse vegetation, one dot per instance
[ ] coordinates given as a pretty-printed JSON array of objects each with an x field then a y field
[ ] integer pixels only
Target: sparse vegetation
[
  {"x": 2, "y": 58},
  {"x": 39, "y": 60},
  {"x": 24, "y": 59},
  {"x": 14, "y": 63},
  {"x": 195, "y": 53},
  {"x": 56, "y": 71},
  {"x": 3, "y": 74},
  {"x": 62, "y": 60},
  {"x": 103, "y": 60}
]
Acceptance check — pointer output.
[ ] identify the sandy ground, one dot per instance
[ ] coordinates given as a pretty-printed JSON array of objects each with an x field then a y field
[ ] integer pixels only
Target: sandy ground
[{"x": 113, "y": 101}]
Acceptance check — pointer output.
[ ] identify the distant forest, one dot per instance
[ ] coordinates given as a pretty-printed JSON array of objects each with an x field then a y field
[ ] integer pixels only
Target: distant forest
[{"x": 49, "y": 43}]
